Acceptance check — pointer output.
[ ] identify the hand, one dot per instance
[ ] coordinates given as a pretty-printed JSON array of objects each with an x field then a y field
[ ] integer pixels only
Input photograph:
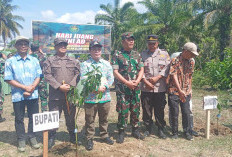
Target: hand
[
  {"x": 102, "y": 89},
  {"x": 153, "y": 80},
  {"x": 135, "y": 83},
  {"x": 130, "y": 85},
  {"x": 149, "y": 86},
  {"x": 182, "y": 96},
  {"x": 29, "y": 88},
  {"x": 26, "y": 94},
  {"x": 64, "y": 88}
]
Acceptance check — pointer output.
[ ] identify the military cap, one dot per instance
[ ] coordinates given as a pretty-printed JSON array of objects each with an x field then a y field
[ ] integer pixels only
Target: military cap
[
  {"x": 60, "y": 40},
  {"x": 189, "y": 46},
  {"x": 152, "y": 38},
  {"x": 127, "y": 35},
  {"x": 21, "y": 38},
  {"x": 94, "y": 43}
]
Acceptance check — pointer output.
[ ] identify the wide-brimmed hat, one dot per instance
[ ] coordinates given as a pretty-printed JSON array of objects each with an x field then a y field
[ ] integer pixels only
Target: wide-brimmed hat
[
  {"x": 191, "y": 47},
  {"x": 21, "y": 38}
]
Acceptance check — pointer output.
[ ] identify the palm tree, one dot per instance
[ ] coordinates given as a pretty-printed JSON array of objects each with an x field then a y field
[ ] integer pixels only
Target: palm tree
[
  {"x": 116, "y": 17},
  {"x": 8, "y": 22},
  {"x": 216, "y": 14}
]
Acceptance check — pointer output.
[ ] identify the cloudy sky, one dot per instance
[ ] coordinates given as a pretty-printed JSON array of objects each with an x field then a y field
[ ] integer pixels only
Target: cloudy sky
[{"x": 65, "y": 11}]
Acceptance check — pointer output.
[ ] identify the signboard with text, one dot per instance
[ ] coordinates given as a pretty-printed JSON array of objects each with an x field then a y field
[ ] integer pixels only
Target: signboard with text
[
  {"x": 45, "y": 121},
  {"x": 210, "y": 102},
  {"x": 78, "y": 36}
]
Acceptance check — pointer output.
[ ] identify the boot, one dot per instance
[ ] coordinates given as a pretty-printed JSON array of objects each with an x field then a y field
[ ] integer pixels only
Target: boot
[
  {"x": 51, "y": 140},
  {"x": 148, "y": 131},
  {"x": 161, "y": 133},
  {"x": 89, "y": 145},
  {"x": 136, "y": 133},
  {"x": 72, "y": 138},
  {"x": 2, "y": 119},
  {"x": 121, "y": 135}
]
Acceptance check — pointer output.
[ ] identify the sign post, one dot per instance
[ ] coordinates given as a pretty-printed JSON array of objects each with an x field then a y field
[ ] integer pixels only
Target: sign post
[
  {"x": 210, "y": 102},
  {"x": 43, "y": 122}
]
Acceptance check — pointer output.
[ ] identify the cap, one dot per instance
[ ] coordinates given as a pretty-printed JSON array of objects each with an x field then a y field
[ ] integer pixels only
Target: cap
[
  {"x": 189, "y": 46},
  {"x": 21, "y": 38},
  {"x": 60, "y": 40},
  {"x": 127, "y": 35},
  {"x": 152, "y": 38},
  {"x": 94, "y": 43}
]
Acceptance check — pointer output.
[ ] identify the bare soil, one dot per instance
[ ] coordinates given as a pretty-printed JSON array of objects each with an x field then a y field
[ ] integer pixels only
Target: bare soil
[{"x": 219, "y": 144}]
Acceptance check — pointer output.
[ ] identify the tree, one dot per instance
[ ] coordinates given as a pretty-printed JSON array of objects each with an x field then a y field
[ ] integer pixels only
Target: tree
[
  {"x": 8, "y": 22},
  {"x": 116, "y": 17},
  {"x": 216, "y": 14}
]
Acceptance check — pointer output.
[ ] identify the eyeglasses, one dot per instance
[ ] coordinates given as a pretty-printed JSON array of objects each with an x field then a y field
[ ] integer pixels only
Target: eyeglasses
[{"x": 23, "y": 44}]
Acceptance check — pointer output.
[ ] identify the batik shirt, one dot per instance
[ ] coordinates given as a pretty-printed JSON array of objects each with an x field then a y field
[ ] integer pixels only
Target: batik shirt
[
  {"x": 184, "y": 69},
  {"x": 128, "y": 65},
  {"x": 24, "y": 71},
  {"x": 107, "y": 73}
]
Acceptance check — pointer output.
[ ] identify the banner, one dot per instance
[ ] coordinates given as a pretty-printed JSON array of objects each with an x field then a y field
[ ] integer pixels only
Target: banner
[{"x": 77, "y": 36}]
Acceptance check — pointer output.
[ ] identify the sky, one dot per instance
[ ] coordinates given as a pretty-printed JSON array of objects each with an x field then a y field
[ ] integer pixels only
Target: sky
[{"x": 64, "y": 11}]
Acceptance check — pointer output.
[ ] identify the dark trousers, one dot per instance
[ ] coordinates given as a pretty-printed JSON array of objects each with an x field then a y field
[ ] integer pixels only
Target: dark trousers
[
  {"x": 19, "y": 110},
  {"x": 90, "y": 114},
  {"x": 173, "y": 102},
  {"x": 60, "y": 105},
  {"x": 153, "y": 101}
]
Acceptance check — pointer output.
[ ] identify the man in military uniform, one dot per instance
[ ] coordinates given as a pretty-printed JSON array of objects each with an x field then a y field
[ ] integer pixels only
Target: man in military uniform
[
  {"x": 1, "y": 91},
  {"x": 61, "y": 72},
  {"x": 43, "y": 91},
  {"x": 153, "y": 86},
  {"x": 128, "y": 70}
]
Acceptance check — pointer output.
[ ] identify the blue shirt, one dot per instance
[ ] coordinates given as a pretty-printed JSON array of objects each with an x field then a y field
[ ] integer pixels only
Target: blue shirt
[
  {"x": 107, "y": 74},
  {"x": 23, "y": 71}
]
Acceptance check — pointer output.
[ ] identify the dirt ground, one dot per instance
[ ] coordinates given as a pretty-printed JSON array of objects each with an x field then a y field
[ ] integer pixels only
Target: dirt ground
[{"x": 219, "y": 144}]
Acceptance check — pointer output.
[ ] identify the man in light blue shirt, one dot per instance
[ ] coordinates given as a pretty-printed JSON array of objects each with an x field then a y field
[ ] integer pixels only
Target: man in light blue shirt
[{"x": 23, "y": 73}]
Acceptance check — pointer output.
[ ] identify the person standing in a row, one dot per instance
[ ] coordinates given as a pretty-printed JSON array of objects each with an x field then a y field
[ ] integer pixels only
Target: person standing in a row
[
  {"x": 2, "y": 55},
  {"x": 61, "y": 72},
  {"x": 93, "y": 105},
  {"x": 153, "y": 86},
  {"x": 128, "y": 70},
  {"x": 180, "y": 89},
  {"x": 23, "y": 73}
]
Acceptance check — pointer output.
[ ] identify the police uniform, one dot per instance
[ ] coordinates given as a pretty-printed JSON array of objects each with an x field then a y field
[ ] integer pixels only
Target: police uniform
[
  {"x": 155, "y": 63},
  {"x": 56, "y": 71},
  {"x": 128, "y": 65}
]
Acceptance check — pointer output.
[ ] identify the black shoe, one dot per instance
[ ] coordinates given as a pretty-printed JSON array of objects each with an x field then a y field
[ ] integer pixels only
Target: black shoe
[
  {"x": 51, "y": 143},
  {"x": 108, "y": 141},
  {"x": 121, "y": 135},
  {"x": 161, "y": 134},
  {"x": 146, "y": 133},
  {"x": 137, "y": 134},
  {"x": 174, "y": 136},
  {"x": 2, "y": 119},
  {"x": 72, "y": 139},
  {"x": 188, "y": 136},
  {"x": 89, "y": 145},
  {"x": 194, "y": 133}
]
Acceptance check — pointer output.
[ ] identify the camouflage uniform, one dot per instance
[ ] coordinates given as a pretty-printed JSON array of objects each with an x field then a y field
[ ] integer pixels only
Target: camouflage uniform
[
  {"x": 128, "y": 65},
  {"x": 1, "y": 91},
  {"x": 43, "y": 91}
]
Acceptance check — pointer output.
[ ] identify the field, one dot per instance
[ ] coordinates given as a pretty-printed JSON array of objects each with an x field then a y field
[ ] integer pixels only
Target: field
[{"x": 219, "y": 144}]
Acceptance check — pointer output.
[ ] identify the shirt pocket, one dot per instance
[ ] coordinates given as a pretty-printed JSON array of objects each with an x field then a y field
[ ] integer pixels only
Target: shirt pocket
[
  {"x": 70, "y": 68},
  {"x": 56, "y": 69},
  {"x": 161, "y": 65}
]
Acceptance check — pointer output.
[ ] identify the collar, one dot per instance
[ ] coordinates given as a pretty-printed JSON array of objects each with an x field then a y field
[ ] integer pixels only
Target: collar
[
  {"x": 18, "y": 57},
  {"x": 93, "y": 61}
]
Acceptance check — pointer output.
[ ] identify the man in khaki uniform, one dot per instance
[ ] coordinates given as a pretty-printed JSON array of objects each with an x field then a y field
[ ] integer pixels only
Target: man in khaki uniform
[
  {"x": 61, "y": 72},
  {"x": 153, "y": 86}
]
